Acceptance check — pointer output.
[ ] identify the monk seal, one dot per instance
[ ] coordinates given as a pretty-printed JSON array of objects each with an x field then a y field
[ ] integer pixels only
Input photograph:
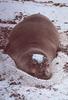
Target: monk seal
[{"x": 35, "y": 37}]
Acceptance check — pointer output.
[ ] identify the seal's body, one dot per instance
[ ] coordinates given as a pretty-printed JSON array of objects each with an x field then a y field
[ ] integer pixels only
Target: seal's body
[{"x": 34, "y": 35}]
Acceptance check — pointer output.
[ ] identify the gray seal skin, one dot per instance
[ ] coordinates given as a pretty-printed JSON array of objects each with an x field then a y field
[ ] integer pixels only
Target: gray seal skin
[{"x": 36, "y": 34}]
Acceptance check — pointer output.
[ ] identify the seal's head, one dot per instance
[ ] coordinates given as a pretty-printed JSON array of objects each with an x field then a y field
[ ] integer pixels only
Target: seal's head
[{"x": 35, "y": 63}]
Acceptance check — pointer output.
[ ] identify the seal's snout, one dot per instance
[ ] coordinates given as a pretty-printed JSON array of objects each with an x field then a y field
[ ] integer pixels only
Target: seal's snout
[{"x": 47, "y": 73}]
